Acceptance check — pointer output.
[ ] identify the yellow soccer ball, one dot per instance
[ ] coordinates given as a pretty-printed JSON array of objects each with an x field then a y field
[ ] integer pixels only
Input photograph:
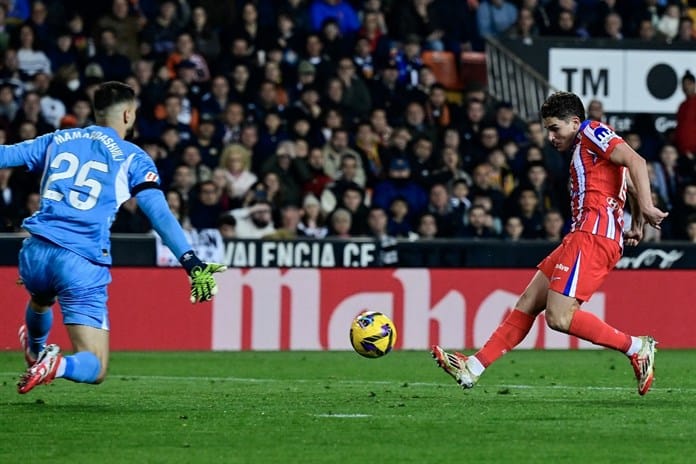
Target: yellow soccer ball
[{"x": 372, "y": 334}]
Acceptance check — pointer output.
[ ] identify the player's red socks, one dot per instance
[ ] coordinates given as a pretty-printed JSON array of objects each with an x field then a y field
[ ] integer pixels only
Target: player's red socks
[
  {"x": 589, "y": 327},
  {"x": 507, "y": 336}
]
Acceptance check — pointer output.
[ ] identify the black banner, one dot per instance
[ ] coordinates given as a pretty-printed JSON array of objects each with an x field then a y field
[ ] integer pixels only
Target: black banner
[{"x": 140, "y": 250}]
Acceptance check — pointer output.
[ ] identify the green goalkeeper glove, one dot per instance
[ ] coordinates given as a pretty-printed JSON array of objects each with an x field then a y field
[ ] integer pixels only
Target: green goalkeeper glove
[{"x": 203, "y": 285}]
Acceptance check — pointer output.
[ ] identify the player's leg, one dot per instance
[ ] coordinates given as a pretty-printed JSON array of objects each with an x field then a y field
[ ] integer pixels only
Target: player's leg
[
  {"x": 466, "y": 370},
  {"x": 580, "y": 272},
  {"x": 82, "y": 294},
  {"x": 90, "y": 360},
  {"x": 36, "y": 274}
]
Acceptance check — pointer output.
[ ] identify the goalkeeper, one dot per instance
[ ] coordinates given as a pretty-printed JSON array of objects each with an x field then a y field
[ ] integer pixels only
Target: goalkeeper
[{"x": 87, "y": 174}]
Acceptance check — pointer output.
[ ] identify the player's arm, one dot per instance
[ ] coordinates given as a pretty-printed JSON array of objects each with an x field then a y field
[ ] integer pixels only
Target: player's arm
[
  {"x": 624, "y": 155},
  {"x": 30, "y": 153},
  {"x": 634, "y": 235},
  {"x": 151, "y": 200}
]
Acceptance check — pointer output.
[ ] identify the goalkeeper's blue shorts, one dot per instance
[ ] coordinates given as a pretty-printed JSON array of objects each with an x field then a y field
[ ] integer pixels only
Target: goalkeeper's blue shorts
[{"x": 50, "y": 271}]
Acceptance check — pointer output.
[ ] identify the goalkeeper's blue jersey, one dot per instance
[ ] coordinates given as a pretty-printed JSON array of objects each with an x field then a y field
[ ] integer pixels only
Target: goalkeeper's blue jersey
[{"x": 87, "y": 174}]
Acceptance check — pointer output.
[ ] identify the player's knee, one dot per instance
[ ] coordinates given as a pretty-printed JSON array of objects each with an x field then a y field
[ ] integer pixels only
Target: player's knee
[{"x": 558, "y": 320}]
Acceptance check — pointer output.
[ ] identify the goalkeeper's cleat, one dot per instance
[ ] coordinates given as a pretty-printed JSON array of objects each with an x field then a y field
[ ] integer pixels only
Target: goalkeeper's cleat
[
  {"x": 43, "y": 371},
  {"x": 455, "y": 365},
  {"x": 643, "y": 363},
  {"x": 29, "y": 356}
]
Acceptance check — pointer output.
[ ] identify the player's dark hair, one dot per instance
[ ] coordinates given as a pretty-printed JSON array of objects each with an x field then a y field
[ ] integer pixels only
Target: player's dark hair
[
  {"x": 112, "y": 93},
  {"x": 563, "y": 105}
]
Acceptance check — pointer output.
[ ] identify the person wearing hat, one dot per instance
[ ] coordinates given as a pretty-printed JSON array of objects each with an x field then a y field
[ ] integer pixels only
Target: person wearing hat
[
  {"x": 399, "y": 184},
  {"x": 313, "y": 222},
  {"x": 387, "y": 92}
]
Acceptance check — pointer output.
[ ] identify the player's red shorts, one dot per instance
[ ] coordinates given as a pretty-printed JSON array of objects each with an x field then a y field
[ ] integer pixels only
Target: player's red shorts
[{"x": 579, "y": 265}]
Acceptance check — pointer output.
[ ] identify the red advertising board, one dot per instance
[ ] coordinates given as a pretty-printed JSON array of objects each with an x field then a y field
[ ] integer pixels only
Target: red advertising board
[{"x": 311, "y": 309}]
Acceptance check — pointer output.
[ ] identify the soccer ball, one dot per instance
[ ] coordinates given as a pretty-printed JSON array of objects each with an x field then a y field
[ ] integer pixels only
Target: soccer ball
[{"x": 372, "y": 334}]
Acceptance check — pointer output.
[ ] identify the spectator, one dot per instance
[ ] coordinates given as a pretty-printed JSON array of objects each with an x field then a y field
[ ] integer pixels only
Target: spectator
[
  {"x": 348, "y": 175},
  {"x": 527, "y": 208},
  {"x": 341, "y": 223},
  {"x": 552, "y": 228},
  {"x": 185, "y": 52},
  {"x": 448, "y": 221},
  {"x": 125, "y": 26},
  {"x": 227, "y": 226},
  {"x": 241, "y": 89},
  {"x": 183, "y": 181},
  {"x": 686, "y": 31},
  {"x": 668, "y": 24},
  {"x": 423, "y": 162},
  {"x": 427, "y": 227},
  {"x": 290, "y": 217},
  {"x": 684, "y": 135},
  {"x": 291, "y": 171},
  {"x": 494, "y": 17},
  {"x": 356, "y": 97},
  {"x": 114, "y": 66},
  {"x": 398, "y": 225},
  {"x": 513, "y": 229},
  {"x": 388, "y": 93},
  {"x": 683, "y": 209},
  {"x": 525, "y": 29},
  {"x": 129, "y": 219},
  {"x": 478, "y": 224},
  {"x": 334, "y": 151},
  {"x": 667, "y": 176},
  {"x": 420, "y": 18},
  {"x": 31, "y": 59},
  {"x": 691, "y": 228},
  {"x": 343, "y": 12},
  {"x": 377, "y": 225},
  {"x": 353, "y": 201},
  {"x": 255, "y": 221},
  {"x": 205, "y": 37},
  {"x": 318, "y": 179},
  {"x": 313, "y": 222},
  {"x": 30, "y": 111},
  {"x": 162, "y": 32},
  {"x": 10, "y": 201},
  {"x": 399, "y": 184},
  {"x": 178, "y": 207},
  {"x": 595, "y": 111}
]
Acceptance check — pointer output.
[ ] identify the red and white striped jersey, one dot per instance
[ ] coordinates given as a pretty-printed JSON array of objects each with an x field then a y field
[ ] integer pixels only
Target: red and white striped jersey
[{"x": 597, "y": 185}]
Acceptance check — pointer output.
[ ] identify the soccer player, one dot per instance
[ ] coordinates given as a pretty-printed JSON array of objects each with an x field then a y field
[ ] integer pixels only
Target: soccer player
[
  {"x": 87, "y": 174},
  {"x": 603, "y": 168}
]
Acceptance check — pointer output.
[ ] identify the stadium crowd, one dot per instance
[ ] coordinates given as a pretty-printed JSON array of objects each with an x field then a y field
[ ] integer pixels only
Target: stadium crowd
[{"x": 320, "y": 118}]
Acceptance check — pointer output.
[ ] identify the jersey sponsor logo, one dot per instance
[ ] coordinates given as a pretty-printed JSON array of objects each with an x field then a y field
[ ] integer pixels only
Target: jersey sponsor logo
[
  {"x": 151, "y": 177},
  {"x": 562, "y": 267},
  {"x": 602, "y": 136}
]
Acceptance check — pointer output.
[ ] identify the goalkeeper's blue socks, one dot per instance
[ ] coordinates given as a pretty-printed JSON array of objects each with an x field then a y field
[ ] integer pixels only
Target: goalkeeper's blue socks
[
  {"x": 83, "y": 367},
  {"x": 38, "y": 326}
]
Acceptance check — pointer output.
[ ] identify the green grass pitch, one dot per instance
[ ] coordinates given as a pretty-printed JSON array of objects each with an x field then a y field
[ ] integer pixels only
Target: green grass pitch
[{"x": 336, "y": 407}]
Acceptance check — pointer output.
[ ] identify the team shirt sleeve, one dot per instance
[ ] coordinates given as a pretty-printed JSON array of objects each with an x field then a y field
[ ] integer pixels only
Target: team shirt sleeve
[
  {"x": 142, "y": 174},
  {"x": 30, "y": 153},
  {"x": 601, "y": 139}
]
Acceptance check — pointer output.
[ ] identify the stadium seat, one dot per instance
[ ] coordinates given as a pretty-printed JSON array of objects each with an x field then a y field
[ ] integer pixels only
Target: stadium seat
[
  {"x": 444, "y": 66},
  {"x": 473, "y": 68}
]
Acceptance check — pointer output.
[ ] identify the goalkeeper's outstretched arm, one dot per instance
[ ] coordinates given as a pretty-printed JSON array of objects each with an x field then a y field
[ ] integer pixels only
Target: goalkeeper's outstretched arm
[{"x": 154, "y": 205}]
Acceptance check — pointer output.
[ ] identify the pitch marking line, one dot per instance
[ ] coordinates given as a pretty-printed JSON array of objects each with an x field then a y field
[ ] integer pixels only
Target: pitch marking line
[
  {"x": 171, "y": 378},
  {"x": 343, "y": 416}
]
